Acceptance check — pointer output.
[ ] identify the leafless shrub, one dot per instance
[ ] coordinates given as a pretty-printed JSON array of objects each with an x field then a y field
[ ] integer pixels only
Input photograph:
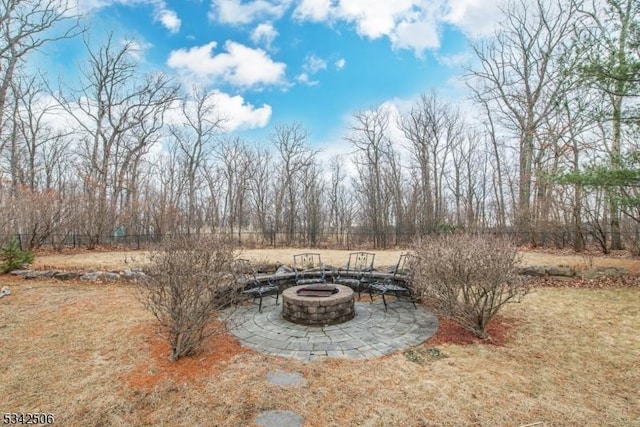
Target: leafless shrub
[
  {"x": 468, "y": 278},
  {"x": 189, "y": 279}
]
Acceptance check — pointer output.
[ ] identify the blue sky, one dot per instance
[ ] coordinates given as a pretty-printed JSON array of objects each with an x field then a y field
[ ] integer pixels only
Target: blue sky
[{"x": 281, "y": 61}]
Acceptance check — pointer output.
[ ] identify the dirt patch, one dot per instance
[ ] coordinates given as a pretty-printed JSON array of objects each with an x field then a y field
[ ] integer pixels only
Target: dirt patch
[{"x": 157, "y": 368}]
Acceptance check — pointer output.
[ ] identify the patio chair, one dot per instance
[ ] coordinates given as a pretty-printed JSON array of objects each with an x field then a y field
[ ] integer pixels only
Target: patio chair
[
  {"x": 359, "y": 271},
  {"x": 399, "y": 284},
  {"x": 254, "y": 287},
  {"x": 309, "y": 269}
]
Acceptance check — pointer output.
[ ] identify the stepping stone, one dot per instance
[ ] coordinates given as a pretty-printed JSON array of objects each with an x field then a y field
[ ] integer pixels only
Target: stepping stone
[
  {"x": 286, "y": 379},
  {"x": 279, "y": 419}
]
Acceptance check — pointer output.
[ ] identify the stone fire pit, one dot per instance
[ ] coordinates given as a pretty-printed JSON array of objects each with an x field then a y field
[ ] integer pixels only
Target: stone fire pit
[{"x": 322, "y": 305}]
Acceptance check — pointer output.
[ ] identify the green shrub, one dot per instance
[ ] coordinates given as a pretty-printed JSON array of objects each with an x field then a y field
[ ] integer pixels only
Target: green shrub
[{"x": 14, "y": 258}]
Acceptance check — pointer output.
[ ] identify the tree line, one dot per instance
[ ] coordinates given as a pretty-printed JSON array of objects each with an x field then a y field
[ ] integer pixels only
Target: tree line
[{"x": 549, "y": 154}]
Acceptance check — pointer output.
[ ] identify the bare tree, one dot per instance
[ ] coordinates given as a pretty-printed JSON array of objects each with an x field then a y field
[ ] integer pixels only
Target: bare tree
[
  {"x": 119, "y": 116},
  {"x": 373, "y": 150},
  {"x": 26, "y": 26},
  {"x": 433, "y": 128},
  {"x": 313, "y": 200},
  {"x": 520, "y": 76},
  {"x": 235, "y": 160},
  {"x": 195, "y": 139},
  {"x": 35, "y": 142},
  {"x": 341, "y": 203},
  {"x": 262, "y": 192},
  {"x": 295, "y": 157}
]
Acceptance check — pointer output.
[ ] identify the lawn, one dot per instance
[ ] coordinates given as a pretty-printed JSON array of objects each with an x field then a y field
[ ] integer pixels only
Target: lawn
[{"x": 87, "y": 353}]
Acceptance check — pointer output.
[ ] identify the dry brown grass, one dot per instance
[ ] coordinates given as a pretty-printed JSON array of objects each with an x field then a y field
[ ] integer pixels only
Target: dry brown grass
[
  {"x": 134, "y": 259},
  {"x": 87, "y": 353}
]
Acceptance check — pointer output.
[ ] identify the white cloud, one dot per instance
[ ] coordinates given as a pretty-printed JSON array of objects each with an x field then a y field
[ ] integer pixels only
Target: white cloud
[
  {"x": 137, "y": 48},
  {"x": 234, "y": 111},
  {"x": 408, "y": 24},
  {"x": 240, "y": 65},
  {"x": 236, "y": 12},
  {"x": 54, "y": 116},
  {"x": 454, "y": 60},
  {"x": 239, "y": 114},
  {"x": 313, "y": 64},
  {"x": 476, "y": 18},
  {"x": 340, "y": 63},
  {"x": 169, "y": 19},
  {"x": 313, "y": 10},
  {"x": 264, "y": 34},
  {"x": 418, "y": 35},
  {"x": 375, "y": 18},
  {"x": 306, "y": 80}
]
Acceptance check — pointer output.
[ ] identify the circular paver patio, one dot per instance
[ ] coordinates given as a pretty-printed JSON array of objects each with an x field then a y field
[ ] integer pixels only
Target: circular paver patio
[{"x": 373, "y": 332}]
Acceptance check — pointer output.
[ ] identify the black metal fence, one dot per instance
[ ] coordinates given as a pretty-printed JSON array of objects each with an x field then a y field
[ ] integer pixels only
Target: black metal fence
[{"x": 248, "y": 239}]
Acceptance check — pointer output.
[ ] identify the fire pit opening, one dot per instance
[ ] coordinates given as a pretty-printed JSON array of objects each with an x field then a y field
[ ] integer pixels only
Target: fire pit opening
[
  {"x": 318, "y": 304},
  {"x": 319, "y": 290}
]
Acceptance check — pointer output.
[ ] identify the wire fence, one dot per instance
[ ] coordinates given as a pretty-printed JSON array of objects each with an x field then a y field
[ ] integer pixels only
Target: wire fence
[{"x": 251, "y": 239}]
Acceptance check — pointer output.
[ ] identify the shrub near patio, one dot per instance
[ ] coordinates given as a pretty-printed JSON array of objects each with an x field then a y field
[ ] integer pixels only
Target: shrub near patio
[
  {"x": 468, "y": 278},
  {"x": 188, "y": 280}
]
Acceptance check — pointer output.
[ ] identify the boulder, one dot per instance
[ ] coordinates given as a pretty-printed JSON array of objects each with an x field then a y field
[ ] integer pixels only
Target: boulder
[
  {"x": 547, "y": 270},
  {"x": 533, "y": 270},
  {"x": 284, "y": 269},
  {"x": 109, "y": 276},
  {"x": 133, "y": 275},
  {"x": 92, "y": 275},
  {"x": 66, "y": 275},
  {"x": 562, "y": 271},
  {"x": 37, "y": 274},
  {"x": 19, "y": 272},
  {"x": 598, "y": 272}
]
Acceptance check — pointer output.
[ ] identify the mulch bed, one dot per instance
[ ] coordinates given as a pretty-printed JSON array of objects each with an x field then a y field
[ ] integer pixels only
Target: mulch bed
[{"x": 450, "y": 332}]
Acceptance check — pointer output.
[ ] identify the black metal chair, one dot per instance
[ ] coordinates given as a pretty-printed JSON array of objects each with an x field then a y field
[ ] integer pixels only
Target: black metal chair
[
  {"x": 399, "y": 284},
  {"x": 309, "y": 269},
  {"x": 254, "y": 287},
  {"x": 359, "y": 271}
]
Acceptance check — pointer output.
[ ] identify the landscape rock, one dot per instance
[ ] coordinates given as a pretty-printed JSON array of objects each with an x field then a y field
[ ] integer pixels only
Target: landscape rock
[
  {"x": 282, "y": 378},
  {"x": 547, "y": 270},
  {"x": 133, "y": 275},
  {"x": 4, "y": 292},
  {"x": 600, "y": 272},
  {"x": 284, "y": 269},
  {"x": 107, "y": 275},
  {"x": 37, "y": 274},
  {"x": 279, "y": 419},
  {"x": 19, "y": 272},
  {"x": 66, "y": 275},
  {"x": 533, "y": 270},
  {"x": 93, "y": 275},
  {"x": 561, "y": 271}
]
